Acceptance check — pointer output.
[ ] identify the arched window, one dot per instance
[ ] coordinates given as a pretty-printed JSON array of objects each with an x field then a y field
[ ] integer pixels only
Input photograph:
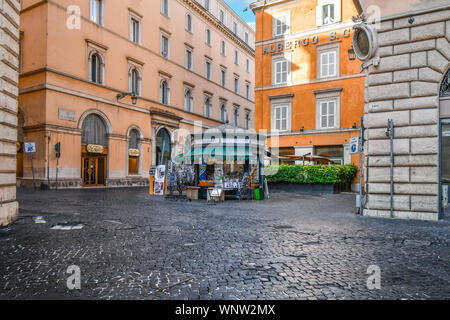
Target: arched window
[
  {"x": 133, "y": 152},
  {"x": 165, "y": 92},
  {"x": 189, "y": 22},
  {"x": 96, "y": 68},
  {"x": 208, "y": 107},
  {"x": 135, "y": 81},
  {"x": 188, "y": 100},
  {"x": 94, "y": 131},
  {"x": 163, "y": 147},
  {"x": 445, "y": 86}
]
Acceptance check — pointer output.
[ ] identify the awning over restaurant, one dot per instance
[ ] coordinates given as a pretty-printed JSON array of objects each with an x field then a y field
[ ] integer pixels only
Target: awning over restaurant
[{"x": 217, "y": 153}]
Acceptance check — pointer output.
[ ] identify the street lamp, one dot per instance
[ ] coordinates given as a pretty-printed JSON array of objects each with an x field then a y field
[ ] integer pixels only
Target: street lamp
[
  {"x": 133, "y": 96},
  {"x": 351, "y": 54}
]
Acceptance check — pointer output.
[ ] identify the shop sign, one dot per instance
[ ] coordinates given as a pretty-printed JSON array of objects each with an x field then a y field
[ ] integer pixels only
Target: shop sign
[
  {"x": 93, "y": 148},
  {"x": 297, "y": 43},
  {"x": 354, "y": 145},
  {"x": 134, "y": 152}
]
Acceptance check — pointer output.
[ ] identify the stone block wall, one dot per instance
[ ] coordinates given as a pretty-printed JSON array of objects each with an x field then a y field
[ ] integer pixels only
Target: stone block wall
[
  {"x": 405, "y": 87},
  {"x": 9, "y": 67}
]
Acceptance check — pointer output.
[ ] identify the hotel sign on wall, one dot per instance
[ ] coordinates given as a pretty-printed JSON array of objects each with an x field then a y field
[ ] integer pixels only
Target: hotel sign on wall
[
  {"x": 305, "y": 42},
  {"x": 92, "y": 148}
]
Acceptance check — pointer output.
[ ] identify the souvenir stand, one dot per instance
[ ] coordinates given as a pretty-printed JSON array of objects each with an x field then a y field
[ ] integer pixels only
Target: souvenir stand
[{"x": 227, "y": 159}]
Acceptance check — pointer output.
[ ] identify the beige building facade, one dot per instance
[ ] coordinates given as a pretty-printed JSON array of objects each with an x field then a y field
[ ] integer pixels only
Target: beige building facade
[
  {"x": 9, "y": 64},
  {"x": 408, "y": 82},
  {"x": 115, "y": 82}
]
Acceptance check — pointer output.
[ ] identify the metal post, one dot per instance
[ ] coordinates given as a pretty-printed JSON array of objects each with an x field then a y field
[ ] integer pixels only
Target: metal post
[
  {"x": 57, "y": 169},
  {"x": 48, "y": 161},
  {"x": 361, "y": 151},
  {"x": 32, "y": 170},
  {"x": 390, "y": 133}
]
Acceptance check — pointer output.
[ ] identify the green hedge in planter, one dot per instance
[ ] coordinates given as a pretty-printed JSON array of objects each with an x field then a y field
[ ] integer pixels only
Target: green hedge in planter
[{"x": 311, "y": 174}]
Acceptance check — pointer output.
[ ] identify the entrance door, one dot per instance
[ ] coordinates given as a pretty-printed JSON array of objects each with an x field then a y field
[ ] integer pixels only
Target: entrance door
[
  {"x": 93, "y": 169},
  {"x": 445, "y": 166}
]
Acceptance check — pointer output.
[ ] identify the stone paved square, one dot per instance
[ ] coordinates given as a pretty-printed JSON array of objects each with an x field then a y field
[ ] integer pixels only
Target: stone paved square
[{"x": 136, "y": 246}]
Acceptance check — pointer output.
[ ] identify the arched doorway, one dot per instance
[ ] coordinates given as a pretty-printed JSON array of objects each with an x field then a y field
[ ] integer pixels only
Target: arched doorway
[
  {"x": 134, "y": 151},
  {"x": 94, "y": 151},
  {"x": 20, "y": 141},
  {"x": 444, "y": 154},
  {"x": 163, "y": 147}
]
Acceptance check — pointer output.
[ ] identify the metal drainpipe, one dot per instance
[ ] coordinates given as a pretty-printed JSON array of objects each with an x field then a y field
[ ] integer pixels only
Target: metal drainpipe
[
  {"x": 361, "y": 204},
  {"x": 390, "y": 134}
]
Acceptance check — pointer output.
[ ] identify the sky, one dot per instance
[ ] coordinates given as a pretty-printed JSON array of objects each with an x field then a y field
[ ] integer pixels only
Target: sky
[{"x": 238, "y": 6}]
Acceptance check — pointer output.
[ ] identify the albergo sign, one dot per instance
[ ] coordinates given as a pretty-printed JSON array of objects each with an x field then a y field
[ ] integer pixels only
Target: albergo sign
[{"x": 293, "y": 44}]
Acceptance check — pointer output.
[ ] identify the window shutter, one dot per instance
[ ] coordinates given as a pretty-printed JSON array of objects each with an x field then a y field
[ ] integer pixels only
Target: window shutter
[
  {"x": 337, "y": 11},
  {"x": 319, "y": 12}
]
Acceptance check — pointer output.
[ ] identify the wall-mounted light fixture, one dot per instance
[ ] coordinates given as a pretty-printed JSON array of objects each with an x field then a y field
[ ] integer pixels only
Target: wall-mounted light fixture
[
  {"x": 122, "y": 95},
  {"x": 351, "y": 54}
]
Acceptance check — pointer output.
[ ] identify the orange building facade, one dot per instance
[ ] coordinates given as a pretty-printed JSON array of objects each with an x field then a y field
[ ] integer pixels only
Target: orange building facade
[
  {"x": 116, "y": 83},
  {"x": 308, "y": 92}
]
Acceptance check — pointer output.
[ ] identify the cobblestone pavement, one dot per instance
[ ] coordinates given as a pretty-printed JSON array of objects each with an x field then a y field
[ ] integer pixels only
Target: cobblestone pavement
[{"x": 136, "y": 246}]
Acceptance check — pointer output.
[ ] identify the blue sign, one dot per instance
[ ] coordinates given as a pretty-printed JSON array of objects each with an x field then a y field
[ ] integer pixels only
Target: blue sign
[{"x": 30, "y": 147}]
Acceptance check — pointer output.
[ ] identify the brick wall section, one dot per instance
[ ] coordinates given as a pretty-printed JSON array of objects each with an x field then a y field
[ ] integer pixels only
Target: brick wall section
[
  {"x": 405, "y": 88},
  {"x": 9, "y": 52}
]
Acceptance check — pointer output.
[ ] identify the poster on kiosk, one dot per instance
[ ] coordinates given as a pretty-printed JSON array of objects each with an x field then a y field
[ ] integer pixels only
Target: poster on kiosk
[{"x": 160, "y": 176}]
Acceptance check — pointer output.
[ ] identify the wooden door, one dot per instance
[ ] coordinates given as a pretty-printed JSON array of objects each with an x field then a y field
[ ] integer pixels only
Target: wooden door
[{"x": 133, "y": 165}]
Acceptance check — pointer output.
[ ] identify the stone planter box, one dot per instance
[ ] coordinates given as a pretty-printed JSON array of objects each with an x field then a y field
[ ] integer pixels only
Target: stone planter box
[{"x": 309, "y": 188}]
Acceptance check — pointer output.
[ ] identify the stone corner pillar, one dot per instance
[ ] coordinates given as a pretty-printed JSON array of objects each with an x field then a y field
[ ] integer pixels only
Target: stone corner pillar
[{"x": 9, "y": 74}]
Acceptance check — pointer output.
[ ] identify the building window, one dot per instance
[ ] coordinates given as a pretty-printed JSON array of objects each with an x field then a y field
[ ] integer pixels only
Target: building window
[
  {"x": 188, "y": 100},
  {"x": 96, "y": 68},
  {"x": 281, "y": 117},
  {"x": 247, "y": 65},
  {"x": 236, "y": 117},
  {"x": 327, "y": 114},
  {"x": 188, "y": 22},
  {"x": 328, "y": 60},
  {"x": 223, "y": 112},
  {"x": 208, "y": 37},
  {"x": 236, "y": 57},
  {"x": 236, "y": 84},
  {"x": 134, "y": 81},
  {"x": 247, "y": 121},
  {"x": 221, "y": 15},
  {"x": 328, "y": 12},
  {"x": 97, "y": 11},
  {"x": 281, "y": 114},
  {"x": 208, "y": 107},
  {"x": 281, "y": 66},
  {"x": 235, "y": 27},
  {"x": 165, "y": 46},
  {"x": 165, "y": 7},
  {"x": 189, "y": 60},
  {"x": 281, "y": 23},
  {"x": 164, "y": 92},
  {"x": 246, "y": 37},
  {"x": 207, "y": 5},
  {"x": 223, "y": 77},
  {"x": 247, "y": 90},
  {"x": 223, "y": 48},
  {"x": 328, "y": 64},
  {"x": 208, "y": 69},
  {"x": 135, "y": 30}
]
